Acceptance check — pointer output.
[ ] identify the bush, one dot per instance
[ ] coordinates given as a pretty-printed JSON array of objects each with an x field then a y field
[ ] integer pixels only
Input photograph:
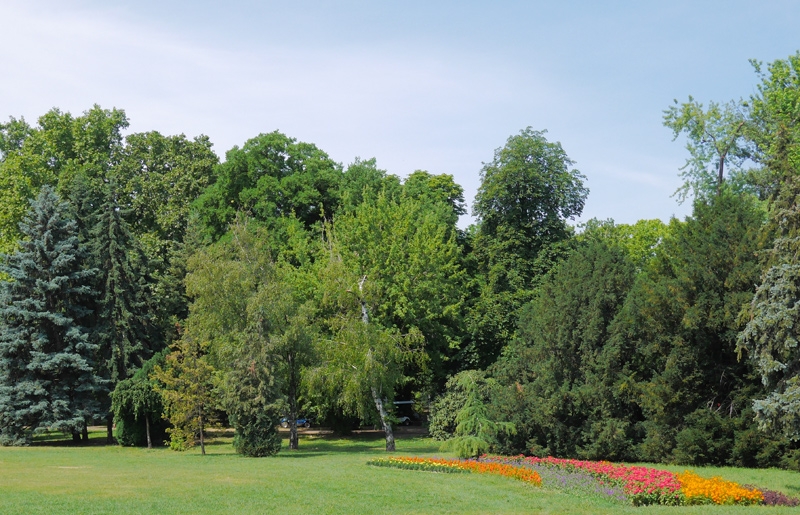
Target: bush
[
  {"x": 752, "y": 448},
  {"x": 446, "y": 407},
  {"x": 257, "y": 437},
  {"x": 610, "y": 440},
  {"x": 707, "y": 439},
  {"x": 657, "y": 444},
  {"x": 135, "y": 399},
  {"x": 253, "y": 411}
]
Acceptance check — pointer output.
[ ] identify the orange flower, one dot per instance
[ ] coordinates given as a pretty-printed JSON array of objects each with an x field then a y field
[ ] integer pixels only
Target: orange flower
[
  {"x": 698, "y": 490},
  {"x": 432, "y": 464}
]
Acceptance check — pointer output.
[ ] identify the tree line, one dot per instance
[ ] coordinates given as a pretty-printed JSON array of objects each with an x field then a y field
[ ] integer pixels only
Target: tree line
[{"x": 150, "y": 286}]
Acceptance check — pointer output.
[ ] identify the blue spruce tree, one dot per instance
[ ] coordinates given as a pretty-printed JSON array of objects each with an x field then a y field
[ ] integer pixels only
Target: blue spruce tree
[{"x": 47, "y": 379}]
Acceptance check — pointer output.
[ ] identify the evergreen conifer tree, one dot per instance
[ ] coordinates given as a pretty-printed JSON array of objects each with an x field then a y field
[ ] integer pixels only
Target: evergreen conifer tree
[
  {"x": 123, "y": 315},
  {"x": 47, "y": 381},
  {"x": 123, "y": 326}
]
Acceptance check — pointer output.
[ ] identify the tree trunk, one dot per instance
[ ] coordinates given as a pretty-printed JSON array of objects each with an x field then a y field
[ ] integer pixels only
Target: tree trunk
[
  {"x": 85, "y": 433},
  {"x": 110, "y": 429},
  {"x": 202, "y": 441},
  {"x": 147, "y": 430},
  {"x": 387, "y": 426},
  {"x": 364, "y": 312},
  {"x": 76, "y": 438},
  {"x": 293, "y": 443}
]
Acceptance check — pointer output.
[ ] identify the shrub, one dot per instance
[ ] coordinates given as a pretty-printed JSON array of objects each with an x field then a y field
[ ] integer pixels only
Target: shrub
[{"x": 257, "y": 437}]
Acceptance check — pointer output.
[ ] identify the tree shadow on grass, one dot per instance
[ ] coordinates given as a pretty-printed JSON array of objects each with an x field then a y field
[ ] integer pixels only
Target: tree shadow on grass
[
  {"x": 358, "y": 443},
  {"x": 311, "y": 445},
  {"x": 58, "y": 439}
]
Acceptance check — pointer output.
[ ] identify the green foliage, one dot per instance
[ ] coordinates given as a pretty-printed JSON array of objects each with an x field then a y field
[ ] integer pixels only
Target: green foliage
[
  {"x": 286, "y": 327},
  {"x": 158, "y": 177},
  {"x": 639, "y": 241},
  {"x": 187, "y": 387},
  {"x": 47, "y": 380},
  {"x": 527, "y": 194},
  {"x": 260, "y": 324},
  {"x": 407, "y": 253},
  {"x": 706, "y": 439},
  {"x": 679, "y": 327},
  {"x": 529, "y": 189},
  {"x": 475, "y": 431},
  {"x": 362, "y": 362},
  {"x": 564, "y": 386},
  {"x": 445, "y": 408},
  {"x": 770, "y": 337},
  {"x": 154, "y": 178},
  {"x": 270, "y": 177},
  {"x": 776, "y": 129},
  {"x": 436, "y": 189},
  {"x": 13, "y": 135},
  {"x": 363, "y": 181},
  {"x": 715, "y": 137},
  {"x": 124, "y": 317},
  {"x": 137, "y": 407},
  {"x": 252, "y": 408},
  {"x": 59, "y": 150}
]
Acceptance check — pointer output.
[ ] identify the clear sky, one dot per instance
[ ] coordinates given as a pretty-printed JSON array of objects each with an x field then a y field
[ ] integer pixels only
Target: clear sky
[{"x": 434, "y": 85}]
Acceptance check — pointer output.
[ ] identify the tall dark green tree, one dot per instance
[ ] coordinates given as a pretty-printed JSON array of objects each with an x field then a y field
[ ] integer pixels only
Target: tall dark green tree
[
  {"x": 679, "y": 330},
  {"x": 47, "y": 375},
  {"x": 561, "y": 374},
  {"x": 123, "y": 322},
  {"x": 123, "y": 317},
  {"x": 527, "y": 194}
]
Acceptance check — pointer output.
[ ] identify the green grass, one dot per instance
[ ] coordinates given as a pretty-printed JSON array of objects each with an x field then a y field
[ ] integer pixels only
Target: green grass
[{"x": 327, "y": 475}]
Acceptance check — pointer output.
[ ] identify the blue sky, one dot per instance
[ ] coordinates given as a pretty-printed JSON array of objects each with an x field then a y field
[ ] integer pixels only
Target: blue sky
[{"x": 418, "y": 85}]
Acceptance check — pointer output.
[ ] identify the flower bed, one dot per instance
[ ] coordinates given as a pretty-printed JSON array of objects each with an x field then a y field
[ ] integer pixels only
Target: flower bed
[
  {"x": 773, "y": 498},
  {"x": 444, "y": 465},
  {"x": 641, "y": 485},
  {"x": 625, "y": 483},
  {"x": 698, "y": 490}
]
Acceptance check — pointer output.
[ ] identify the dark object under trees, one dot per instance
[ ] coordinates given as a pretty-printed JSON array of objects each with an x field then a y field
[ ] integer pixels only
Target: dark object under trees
[{"x": 47, "y": 380}]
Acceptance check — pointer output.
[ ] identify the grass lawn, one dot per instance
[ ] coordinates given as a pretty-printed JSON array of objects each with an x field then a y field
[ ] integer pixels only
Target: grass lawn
[{"x": 327, "y": 475}]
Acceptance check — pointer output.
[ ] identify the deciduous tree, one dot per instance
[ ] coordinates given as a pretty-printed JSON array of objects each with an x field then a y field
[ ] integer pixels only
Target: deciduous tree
[
  {"x": 716, "y": 137},
  {"x": 527, "y": 194},
  {"x": 186, "y": 385}
]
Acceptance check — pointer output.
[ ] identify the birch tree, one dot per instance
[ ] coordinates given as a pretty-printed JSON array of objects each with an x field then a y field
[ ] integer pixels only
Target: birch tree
[{"x": 389, "y": 285}]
